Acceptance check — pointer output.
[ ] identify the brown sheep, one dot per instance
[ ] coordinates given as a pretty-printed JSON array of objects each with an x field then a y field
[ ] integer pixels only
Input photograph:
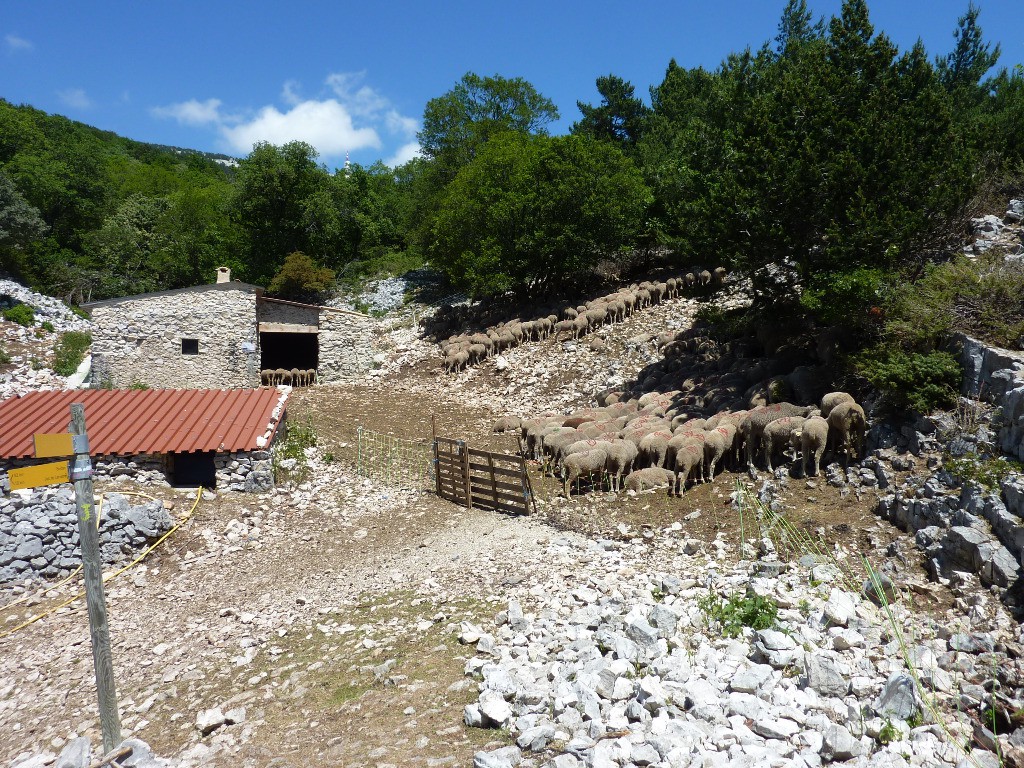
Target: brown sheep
[
  {"x": 777, "y": 435},
  {"x": 267, "y": 377}
]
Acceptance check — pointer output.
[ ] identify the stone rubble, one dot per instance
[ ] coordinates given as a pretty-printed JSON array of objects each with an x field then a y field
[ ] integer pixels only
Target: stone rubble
[{"x": 625, "y": 668}]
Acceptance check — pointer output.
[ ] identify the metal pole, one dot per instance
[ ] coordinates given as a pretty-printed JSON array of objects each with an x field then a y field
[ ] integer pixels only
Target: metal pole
[{"x": 92, "y": 567}]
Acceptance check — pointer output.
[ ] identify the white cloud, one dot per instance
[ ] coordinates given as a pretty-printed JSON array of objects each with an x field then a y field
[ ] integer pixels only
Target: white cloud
[
  {"x": 405, "y": 153},
  {"x": 327, "y": 125},
  {"x": 192, "y": 112},
  {"x": 397, "y": 123},
  {"x": 75, "y": 98},
  {"x": 361, "y": 100},
  {"x": 290, "y": 93},
  {"x": 347, "y": 117},
  {"x": 16, "y": 44}
]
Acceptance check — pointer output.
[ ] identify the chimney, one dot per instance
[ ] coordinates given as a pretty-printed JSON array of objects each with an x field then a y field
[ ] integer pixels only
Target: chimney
[{"x": 223, "y": 275}]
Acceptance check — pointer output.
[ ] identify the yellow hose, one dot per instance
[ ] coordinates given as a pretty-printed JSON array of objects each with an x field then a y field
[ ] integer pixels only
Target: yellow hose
[{"x": 106, "y": 577}]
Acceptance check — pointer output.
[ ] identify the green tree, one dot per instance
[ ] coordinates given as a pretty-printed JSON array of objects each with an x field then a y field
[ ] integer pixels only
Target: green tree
[
  {"x": 20, "y": 224},
  {"x": 962, "y": 69},
  {"x": 620, "y": 118},
  {"x": 457, "y": 124},
  {"x": 275, "y": 205},
  {"x": 530, "y": 213},
  {"x": 301, "y": 278}
]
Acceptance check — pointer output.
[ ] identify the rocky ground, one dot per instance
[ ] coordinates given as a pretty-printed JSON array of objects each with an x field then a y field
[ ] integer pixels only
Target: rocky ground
[
  {"x": 341, "y": 621},
  {"x": 28, "y": 351}
]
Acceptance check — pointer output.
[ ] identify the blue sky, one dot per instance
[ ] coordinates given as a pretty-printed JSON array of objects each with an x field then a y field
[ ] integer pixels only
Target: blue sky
[{"x": 355, "y": 76}]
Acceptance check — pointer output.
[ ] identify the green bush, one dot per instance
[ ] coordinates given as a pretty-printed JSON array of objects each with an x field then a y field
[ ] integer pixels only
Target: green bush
[
  {"x": 47, "y": 326},
  {"x": 845, "y": 298},
  {"x": 22, "y": 314},
  {"x": 922, "y": 382},
  {"x": 986, "y": 472},
  {"x": 5, "y": 358},
  {"x": 70, "y": 352},
  {"x": 738, "y": 611}
]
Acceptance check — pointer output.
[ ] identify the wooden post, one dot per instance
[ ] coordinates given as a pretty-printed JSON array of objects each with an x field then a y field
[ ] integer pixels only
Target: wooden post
[
  {"x": 494, "y": 485},
  {"x": 464, "y": 450},
  {"x": 437, "y": 468},
  {"x": 92, "y": 567}
]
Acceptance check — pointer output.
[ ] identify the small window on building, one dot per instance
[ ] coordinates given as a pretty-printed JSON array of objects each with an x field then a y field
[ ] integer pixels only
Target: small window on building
[{"x": 190, "y": 346}]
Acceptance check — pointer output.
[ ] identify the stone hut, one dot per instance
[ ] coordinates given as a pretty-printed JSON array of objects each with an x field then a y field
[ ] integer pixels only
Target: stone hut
[
  {"x": 214, "y": 438},
  {"x": 222, "y": 335}
]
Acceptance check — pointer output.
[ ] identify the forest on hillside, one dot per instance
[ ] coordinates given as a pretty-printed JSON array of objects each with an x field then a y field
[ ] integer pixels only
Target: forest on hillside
[{"x": 825, "y": 149}]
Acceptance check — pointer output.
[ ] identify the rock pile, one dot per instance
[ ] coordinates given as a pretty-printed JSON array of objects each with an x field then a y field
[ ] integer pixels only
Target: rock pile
[
  {"x": 39, "y": 532},
  {"x": 992, "y": 231},
  {"x": 629, "y": 668},
  {"x": 46, "y": 308}
]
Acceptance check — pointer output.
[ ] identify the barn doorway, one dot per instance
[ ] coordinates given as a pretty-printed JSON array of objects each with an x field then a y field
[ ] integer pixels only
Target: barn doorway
[
  {"x": 289, "y": 350},
  {"x": 190, "y": 470}
]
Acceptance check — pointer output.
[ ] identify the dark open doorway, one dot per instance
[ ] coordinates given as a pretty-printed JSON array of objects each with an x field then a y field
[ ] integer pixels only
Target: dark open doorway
[
  {"x": 289, "y": 350},
  {"x": 190, "y": 470}
]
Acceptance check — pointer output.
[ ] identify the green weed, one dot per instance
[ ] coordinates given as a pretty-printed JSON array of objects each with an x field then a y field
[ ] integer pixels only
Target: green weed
[{"x": 738, "y": 611}]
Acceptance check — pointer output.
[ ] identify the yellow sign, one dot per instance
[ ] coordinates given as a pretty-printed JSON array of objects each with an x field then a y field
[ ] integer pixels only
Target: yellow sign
[
  {"x": 40, "y": 474},
  {"x": 53, "y": 445}
]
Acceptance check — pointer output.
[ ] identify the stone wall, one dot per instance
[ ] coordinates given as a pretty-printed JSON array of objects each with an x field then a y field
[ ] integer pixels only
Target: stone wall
[
  {"x": 139, "y": 340},
  {"x": 248, "y": 471},
  {"x": 271, "y": 311},
  {"x": 39, "y": 531},
  {"x": 346, "y": 345}
]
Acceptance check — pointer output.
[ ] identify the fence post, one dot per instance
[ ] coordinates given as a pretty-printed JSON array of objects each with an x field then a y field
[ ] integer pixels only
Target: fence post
[
  {"x": 494, "y": 484},
  {"x": 95, "y": 601},
  {"x": 464, "y": 449}
]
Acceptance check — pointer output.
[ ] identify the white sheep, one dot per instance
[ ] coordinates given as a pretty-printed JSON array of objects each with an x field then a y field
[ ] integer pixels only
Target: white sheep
[{"x": 580, "y": 465}]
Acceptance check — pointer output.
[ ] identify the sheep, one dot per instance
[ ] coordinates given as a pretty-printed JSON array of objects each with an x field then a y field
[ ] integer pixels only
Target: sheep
[
  {"x": 653, "y": 447},
  {"x": 507, "y": 424},
  {"x": 753, "y": 424},
  {"x": 678, "y": 441},
  {"x": 648, "y": 478},
  {"x": 832, "y": 399},
  {"x": 716, "y": 444},
  {"x": 777, "y": 434},
  {"x": 718, "y": 277},
  {"x": 311, "y": 376},
  {"x": 299, "y": 377},
  {"x": 267, "y": 377},
  {"x": 690, "y": 280},
  {"x": 621, "y": 455},
  {"x": 580, "y": 465},
  {"x": 847, "y": 425},
  {"x": 704, "y": 278},
  {"x": 555, "y": 441},
  {"x": 672, "y": 284},
  {"x": 689, "y": 457},
  {"x": 456, "y": 361},
  {"x": 812, "y": 437},
  {"x": 283, "y": 376}
]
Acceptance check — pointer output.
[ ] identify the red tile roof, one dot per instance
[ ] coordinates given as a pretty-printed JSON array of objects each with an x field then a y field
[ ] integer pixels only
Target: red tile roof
[{"x": 125, "y": 422}]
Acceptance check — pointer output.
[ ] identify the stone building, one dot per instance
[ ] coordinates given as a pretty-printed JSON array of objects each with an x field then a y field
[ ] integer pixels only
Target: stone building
[
  {"x": 183, "y": 437},
  {"x": 222, "y": 335}
]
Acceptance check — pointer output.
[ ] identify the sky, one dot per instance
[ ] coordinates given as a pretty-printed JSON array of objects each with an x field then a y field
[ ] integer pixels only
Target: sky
[{"x": 354, "y": 78}]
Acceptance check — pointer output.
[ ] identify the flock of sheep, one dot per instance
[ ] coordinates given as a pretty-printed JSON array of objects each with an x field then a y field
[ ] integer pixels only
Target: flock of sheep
[
  {"x": 464, "y": 350},
  {"x": 296, "y": 377},
  {"x": 651, "y": 445}
]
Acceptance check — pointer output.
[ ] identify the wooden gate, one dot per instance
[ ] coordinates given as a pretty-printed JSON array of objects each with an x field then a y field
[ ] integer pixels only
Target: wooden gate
[{"x": 480, "y": 478}]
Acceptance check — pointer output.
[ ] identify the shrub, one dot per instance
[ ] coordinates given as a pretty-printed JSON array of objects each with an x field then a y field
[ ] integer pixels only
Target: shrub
[
  {"x": 986, "y": 472},
  {"x": 5, "y": 358},
  {"x": 22, "y": 314},
  {"x": 845, "y": 298},
  {"x": 738, "y": 611},
  {"x": 70, "y": 352},
  {"x": 47, "y": 326},
  {"x": 922, "y": 382},
  {"x": 301, "y": 278}
]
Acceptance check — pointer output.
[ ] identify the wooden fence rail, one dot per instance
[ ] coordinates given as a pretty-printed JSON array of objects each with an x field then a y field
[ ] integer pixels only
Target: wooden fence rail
[{"x": 480, "y": 478}]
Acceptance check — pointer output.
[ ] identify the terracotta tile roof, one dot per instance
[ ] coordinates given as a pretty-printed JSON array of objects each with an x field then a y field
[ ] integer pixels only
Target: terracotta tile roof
[{"x": 126, "y": 422}]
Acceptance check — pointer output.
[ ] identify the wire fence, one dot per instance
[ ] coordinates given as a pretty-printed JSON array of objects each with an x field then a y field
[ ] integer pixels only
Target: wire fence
[{"x": 394, "y": 460}]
